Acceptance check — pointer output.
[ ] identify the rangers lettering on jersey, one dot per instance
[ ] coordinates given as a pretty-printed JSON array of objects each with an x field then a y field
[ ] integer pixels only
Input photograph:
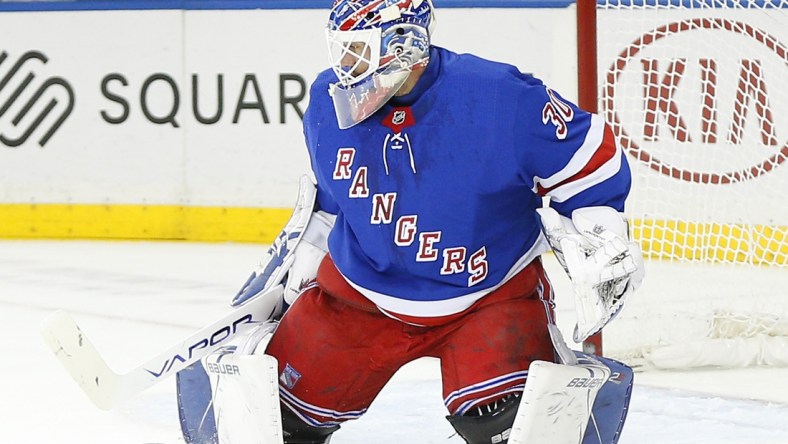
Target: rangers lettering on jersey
[
  {"x": 383, "y": 208},
  {"x": 345, "y": 158},
  {"x": 359, "y": 187},
  {"x": 436, "y": 192},
  {"x": 406, "y": 230},
  {"x": 382, "y": 212}
]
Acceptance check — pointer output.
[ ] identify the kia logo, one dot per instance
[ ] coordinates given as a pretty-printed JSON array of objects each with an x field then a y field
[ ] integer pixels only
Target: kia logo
[{"x": 695, "y": 103}]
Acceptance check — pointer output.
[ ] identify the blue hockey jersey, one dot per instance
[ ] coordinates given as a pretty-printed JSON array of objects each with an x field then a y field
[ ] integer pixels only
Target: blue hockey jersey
[{"x": 435, "y": 193}]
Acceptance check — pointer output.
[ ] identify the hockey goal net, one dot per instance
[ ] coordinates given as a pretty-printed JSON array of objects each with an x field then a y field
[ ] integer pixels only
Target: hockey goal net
[{"x": 697, "y": 93}]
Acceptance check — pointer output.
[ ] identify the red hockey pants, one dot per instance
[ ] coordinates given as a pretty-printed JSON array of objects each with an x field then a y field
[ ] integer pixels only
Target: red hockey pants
[{"x": 336, "y": 351}]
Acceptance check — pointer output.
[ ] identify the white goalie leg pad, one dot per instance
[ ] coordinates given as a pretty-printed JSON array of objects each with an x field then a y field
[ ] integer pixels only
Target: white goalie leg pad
[
  {"x": 557, "y": 402},
  {"x": 246, "y": 392}
]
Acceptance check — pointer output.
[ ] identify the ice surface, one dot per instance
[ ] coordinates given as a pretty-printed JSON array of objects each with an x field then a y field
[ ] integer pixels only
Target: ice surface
[{"x": 135, "y": 298}]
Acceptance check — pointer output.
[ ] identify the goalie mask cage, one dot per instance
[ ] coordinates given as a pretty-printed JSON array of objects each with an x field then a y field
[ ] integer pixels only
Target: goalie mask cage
[{"x": 697, "y": 95}]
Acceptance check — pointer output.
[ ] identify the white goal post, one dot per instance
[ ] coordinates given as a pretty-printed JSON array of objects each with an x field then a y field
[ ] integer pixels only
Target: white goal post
[{"x": 697, "y": 94}]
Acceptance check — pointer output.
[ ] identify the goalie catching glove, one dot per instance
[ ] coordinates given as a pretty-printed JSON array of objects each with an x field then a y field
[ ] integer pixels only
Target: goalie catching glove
[{"x": 605, "y": 267}]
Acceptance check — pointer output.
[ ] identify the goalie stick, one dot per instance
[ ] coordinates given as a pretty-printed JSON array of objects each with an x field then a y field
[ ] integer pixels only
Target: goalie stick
[
  {"x": 260, "y": 298},
  {"x": 107, "y": 388}
]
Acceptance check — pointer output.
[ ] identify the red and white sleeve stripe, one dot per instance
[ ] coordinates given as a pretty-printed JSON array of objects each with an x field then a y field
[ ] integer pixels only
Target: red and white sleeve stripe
[{"x": 597, "y": 159}]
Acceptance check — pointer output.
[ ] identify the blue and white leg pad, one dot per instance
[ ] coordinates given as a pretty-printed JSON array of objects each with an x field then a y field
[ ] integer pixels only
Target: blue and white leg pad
[
  {"x": 585, "y": 402},
  {"x": 611, "y": 405},
  {"x": 232, "y": 395},
  {"x": 195, "y": 405}
]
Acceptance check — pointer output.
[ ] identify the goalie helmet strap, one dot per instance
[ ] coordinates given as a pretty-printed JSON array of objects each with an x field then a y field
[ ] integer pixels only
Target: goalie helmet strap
[
  {"x": 297, "y": 431},
  {"x": 493, "y": 425}
]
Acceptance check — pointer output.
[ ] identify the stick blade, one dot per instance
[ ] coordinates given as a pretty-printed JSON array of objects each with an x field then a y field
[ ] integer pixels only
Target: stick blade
[{"x": 81, "y": 359}]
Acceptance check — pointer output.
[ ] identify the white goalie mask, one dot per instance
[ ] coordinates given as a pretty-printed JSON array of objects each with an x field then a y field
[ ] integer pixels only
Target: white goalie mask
[{"x": 373, "y": 46}]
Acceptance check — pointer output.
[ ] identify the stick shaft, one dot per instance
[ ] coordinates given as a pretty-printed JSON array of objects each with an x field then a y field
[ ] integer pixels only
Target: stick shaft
[{"x": 107, "y": 388}]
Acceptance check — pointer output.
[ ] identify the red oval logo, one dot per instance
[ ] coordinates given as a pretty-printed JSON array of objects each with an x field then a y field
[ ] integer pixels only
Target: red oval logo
[{"x": 696, "y": 108}]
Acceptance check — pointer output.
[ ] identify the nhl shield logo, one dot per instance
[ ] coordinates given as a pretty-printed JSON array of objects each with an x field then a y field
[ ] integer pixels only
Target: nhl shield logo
[{"x": 399, "y": 117}]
